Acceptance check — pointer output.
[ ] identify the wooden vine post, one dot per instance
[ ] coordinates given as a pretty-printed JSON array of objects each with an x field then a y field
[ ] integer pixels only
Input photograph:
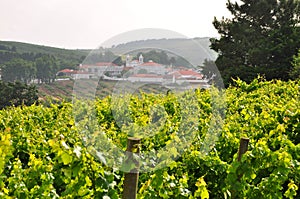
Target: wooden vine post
[
  {"x": 242, "y": 150},
  {"x": 131, "y": 178},
  {"x": 243, "y": 147}
]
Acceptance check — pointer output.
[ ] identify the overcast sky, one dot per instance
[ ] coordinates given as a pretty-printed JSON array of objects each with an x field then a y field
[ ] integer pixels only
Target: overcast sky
[{"x": 88, "y": 23}]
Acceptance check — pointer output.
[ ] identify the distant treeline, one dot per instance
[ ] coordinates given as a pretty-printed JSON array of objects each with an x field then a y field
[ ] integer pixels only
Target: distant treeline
[
  {"x": 41, "y": 67},
  {"x": 158, "y": 56},
  {"x": 163, "y": 58},
  {"x": 7, "y": 48}
]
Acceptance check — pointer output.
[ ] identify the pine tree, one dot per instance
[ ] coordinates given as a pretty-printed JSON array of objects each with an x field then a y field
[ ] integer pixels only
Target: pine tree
[
  {"x": 295, "y": 73},
  {"x": 261, "y": 38}
]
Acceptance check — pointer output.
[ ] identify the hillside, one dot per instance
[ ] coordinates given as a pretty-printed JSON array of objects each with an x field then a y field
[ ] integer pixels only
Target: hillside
[
  {"x": 68, "y": 58},
  {"x": 195, "y": 50},
  {"x": 63, "y": 90},
  {"x": 33, "y": 48}
]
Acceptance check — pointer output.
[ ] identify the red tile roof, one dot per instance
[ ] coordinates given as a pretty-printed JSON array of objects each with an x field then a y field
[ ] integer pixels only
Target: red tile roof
[
  {"x": 105, "y": 64},
  {"x": 151, "y": 63},
  {"x": 187, "y": 73},
  {"x": 128, "y": 68},
  {"x": 66, "y": 71},
  {"x": 73, "y": 71}
]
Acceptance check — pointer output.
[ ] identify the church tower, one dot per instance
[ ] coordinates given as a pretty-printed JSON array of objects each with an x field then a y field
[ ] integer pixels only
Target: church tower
[
  {"x": 127, "y": 60},
  {"x": 141, "y": 59}
]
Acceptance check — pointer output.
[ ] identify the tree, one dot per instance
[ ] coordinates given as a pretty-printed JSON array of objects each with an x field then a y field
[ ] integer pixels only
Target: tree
[
  {"x": 209, "y": 70},
  {"x": 18, "y": 70},
  {"x": 118, "y": 61},
  {"x": 14, "y": 49},
  {"x": 260, "y": 38},
  {"x": 295, "y": 73},
  {"x": 158, "y": 57},
  {"x": 46, "y": 68},
  {"x": 142, "y": 71},
  {"x": 16, "y": 94}
]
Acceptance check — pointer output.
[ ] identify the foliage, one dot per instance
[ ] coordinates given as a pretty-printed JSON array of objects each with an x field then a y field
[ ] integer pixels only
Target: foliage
[
  {"x": 46, "y": 158},
  {"x": 295, "y": 72},
  {"x": 18, "y": 70},
  {"x": 102, "y": 55},
  {"x": 42, "y": 68},
  {"x": 26, "y": 62},
  {"x": 16, "y": 94},
  {"x": 43, "y": 156},
  {"x": 46, "y": 69},
  {"x": 26, "y": 48},
  {"x": 7, "y": 48},
  {"x": 163, "y": 58},
  {"x": 158, "y": 57},
  {"x": 260, "y": 38}
]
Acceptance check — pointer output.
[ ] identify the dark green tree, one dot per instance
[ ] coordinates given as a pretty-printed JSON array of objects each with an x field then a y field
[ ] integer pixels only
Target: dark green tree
[
  {"x": 156, "y": 56},
  {"x": 209, "y": 69},
  {"x": 16, "y": 94},
  {"x": 142, "y": 71},
  {"x": 108, "y": 56},
  {"x": 172, "y": 61},
  {"x": 14, "y": 49},
  {"x": 180, "y": 61},
  {"x": 46, "y": 68},
  {"x": 18, "y": 70},
  {"x": 260, "y": 38},
  {"x": 118, "y": 61},
  {"x": 295, "y": 72}
]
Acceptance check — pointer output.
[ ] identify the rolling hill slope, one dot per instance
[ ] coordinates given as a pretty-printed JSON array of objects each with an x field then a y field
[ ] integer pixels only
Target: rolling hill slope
[
  {"x": 33, "y": 48},
  {"x": 196, "y": 50}
]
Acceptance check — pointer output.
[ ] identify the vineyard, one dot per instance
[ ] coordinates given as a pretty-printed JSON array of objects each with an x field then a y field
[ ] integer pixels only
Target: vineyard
[
  {"x": 44, "y": 154},
  {"x": 62, "y": 90}
]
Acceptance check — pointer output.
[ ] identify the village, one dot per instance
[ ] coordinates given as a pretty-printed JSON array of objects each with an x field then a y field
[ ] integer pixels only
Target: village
[{"x": 137, "y": 70}]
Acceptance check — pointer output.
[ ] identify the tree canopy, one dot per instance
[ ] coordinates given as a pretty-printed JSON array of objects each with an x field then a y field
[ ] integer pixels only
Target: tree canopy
[
  {"x": 295, "y": 73},
  {"x": 261, "y": 38},
  {"x": 46, "y": 69},
  {"x": 27, "y": 67},
  {"x": 18, "y": 70},
  {"x": 16, "y": 94}
]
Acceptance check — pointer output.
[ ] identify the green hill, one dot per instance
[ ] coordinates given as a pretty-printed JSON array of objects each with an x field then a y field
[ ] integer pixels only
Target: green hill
[
  {"x": 195, "y": 50},
  {"x": 59, "y": 53}
]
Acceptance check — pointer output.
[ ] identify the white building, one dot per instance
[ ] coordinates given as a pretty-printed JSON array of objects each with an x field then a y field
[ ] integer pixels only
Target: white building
[
  {"x": 102, "y": 68},
  {"x": 149, "y": 78},
  {"x": 150, "y": 67},
  {"x": 134, "y": 63},
  {"x": 75, "y": 74},
  {"x": 191, "y": 77}
]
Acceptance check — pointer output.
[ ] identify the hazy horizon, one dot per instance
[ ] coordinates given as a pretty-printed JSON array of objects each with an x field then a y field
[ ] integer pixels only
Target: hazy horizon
[{"x": 94, "y": 48}]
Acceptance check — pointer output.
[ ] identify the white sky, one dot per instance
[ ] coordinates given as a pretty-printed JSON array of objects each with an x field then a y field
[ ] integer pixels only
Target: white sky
[{"x": 89, "y": 23}]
